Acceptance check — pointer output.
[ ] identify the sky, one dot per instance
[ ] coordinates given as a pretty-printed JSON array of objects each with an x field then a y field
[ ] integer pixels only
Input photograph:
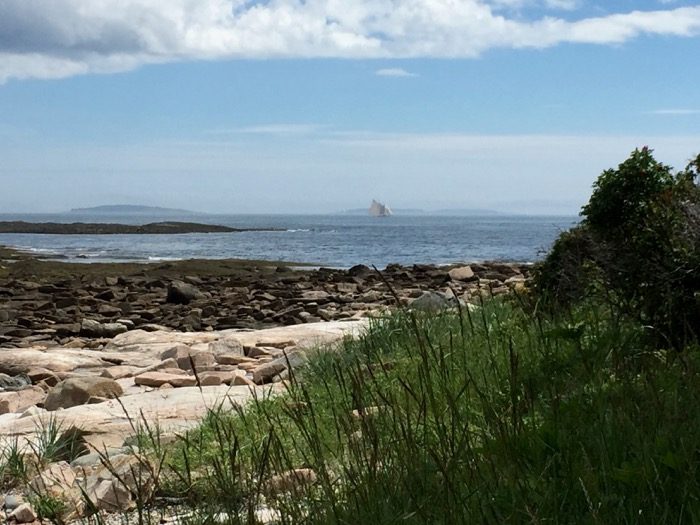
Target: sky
[{"x": 316, "y": 106}]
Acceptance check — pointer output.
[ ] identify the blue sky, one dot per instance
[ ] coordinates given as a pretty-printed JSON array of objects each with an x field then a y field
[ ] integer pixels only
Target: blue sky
[{"x": 286, "y": 106}]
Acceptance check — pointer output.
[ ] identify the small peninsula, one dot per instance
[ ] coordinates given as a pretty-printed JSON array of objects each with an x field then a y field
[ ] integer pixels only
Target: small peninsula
[{"x": 84, "y": 228}]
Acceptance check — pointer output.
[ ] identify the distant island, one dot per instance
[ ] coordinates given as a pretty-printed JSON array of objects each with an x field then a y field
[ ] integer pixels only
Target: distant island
[
  {"x": 83, "y": 228},
  {"x": 131, "y": 209}
]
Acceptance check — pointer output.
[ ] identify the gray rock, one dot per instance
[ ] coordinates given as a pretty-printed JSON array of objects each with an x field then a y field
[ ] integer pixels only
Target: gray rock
[
  {"x": 10, "y": 384},
  {"x": 92, "y": 328},
  {"x": 12, "y": 501},
  {"x": 267, "y": 371},
  {"x": 359, "y": 270},
  {"x": 432, "y": 302},
  {"x": 182, "y": 293},
  {"x": 226, "y": 346}
]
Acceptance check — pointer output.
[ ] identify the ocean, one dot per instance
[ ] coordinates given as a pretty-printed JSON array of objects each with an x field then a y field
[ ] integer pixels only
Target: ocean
[{"x": 338, "y": 241}]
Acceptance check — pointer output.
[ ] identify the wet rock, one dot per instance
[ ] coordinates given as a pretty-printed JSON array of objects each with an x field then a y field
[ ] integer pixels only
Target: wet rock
[
  {"x": 182, "y": 293},
  {"x": 78, "y": 390}
]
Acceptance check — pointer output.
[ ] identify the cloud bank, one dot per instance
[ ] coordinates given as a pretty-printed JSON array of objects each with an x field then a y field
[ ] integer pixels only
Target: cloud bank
[{"x": 61, "y": 38}]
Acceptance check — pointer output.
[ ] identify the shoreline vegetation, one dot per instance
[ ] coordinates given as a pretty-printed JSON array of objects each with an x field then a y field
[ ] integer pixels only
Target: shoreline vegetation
[
  {"x": 566, "y": 396},
  {"x": 84, "y": 228}
]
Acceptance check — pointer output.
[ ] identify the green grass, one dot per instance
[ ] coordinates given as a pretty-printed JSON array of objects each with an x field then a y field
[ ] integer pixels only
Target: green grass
[{"x": 498, "y": 416}]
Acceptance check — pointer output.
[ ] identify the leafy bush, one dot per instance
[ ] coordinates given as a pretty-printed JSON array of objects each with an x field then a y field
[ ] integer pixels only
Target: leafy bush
[{"x": 639, "y": 244}]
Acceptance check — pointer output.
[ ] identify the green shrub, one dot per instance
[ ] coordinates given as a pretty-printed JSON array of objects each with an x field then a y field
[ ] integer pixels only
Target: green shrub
[{"x": 638, "y": 245}]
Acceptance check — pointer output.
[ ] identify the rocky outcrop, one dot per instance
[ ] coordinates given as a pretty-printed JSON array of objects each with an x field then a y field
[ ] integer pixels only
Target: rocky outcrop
[
  {"x": 83, "y": 311},
  {"x": 152, "y": 374}
]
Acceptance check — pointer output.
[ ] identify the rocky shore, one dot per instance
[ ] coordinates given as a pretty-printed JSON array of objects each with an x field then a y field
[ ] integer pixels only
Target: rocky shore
[
  {"x": 85, "y": 228},
  {"x": 83, "y": 305},
  {"x": 90, "y": 348},
  {"x": 71, "y": 414}
]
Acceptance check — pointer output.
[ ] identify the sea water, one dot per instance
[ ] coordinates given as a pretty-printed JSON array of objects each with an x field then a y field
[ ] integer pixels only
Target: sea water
[{"x": 325, "y": 240}]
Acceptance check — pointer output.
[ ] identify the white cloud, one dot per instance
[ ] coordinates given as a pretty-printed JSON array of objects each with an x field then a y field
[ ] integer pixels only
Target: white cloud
[
  {"x": 40, "y": 39},
  {"x": 567, "y": 5},
  {"x": 676, "y": 112},
  {"x": 394, "y": 72},
  {"x": 272, "y": 129}
]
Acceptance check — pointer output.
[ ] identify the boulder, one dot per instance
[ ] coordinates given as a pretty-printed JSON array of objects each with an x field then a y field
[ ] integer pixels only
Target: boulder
[
  {"x": 186, "y": 357},
  {"x": 113, "y": 487},
  {"x": 92, "y": 328},
  {"x": 78, "y": 390},
  {"x": 265, "y": 372},
  {"x": 432, "y": 302},
  {"x": 462, "y": 273},
  {"x": 182, "y": 293},
  {"x": 227, "y": 345},
  {"x": 23, "y": 514},
  {"x": 359, "y": 270},
  {"x": 21, "y": 400}
]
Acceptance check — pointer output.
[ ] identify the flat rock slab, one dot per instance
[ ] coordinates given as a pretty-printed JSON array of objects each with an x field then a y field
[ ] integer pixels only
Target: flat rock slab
[
  {"x": 301, "y": 335},
  {"x": 107, "y": 423}
]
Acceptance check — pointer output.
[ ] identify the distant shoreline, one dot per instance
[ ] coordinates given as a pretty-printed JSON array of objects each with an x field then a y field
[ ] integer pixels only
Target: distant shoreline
[{"x": 84, "y": 228}]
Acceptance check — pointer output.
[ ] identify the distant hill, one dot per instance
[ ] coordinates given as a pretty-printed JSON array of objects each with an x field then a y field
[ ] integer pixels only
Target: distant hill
[{"x": 131, "y": 209}]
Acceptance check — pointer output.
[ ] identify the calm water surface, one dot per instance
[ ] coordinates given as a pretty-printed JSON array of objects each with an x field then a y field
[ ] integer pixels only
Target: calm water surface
[{"x": 328, "y": 240}]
